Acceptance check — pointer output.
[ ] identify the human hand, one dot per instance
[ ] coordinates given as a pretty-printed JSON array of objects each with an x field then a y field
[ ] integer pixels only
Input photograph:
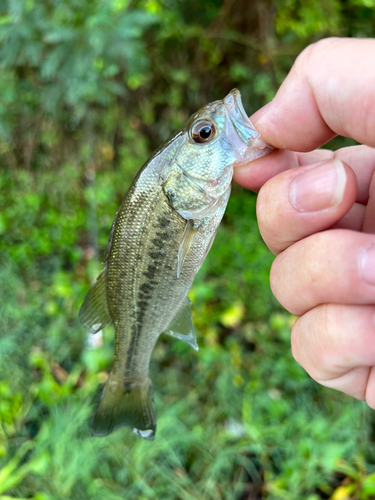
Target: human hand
[{"x": 316, "y": 210}]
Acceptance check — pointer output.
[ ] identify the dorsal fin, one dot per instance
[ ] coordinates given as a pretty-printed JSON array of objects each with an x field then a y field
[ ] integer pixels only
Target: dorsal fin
[
  {"x": 94, "y": 314},
  {"x": 182, "y": 327}
]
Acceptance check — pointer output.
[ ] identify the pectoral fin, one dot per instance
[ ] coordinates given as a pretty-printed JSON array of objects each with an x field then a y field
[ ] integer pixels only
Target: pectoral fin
[
  {"x": 185, "y": 244},
  {"x": 94, "y": 313},
  {"x": 182, "y": 327}
]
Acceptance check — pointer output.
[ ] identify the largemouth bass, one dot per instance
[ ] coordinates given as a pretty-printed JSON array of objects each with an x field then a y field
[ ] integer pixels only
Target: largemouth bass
[{"x": 159, "y": 239}]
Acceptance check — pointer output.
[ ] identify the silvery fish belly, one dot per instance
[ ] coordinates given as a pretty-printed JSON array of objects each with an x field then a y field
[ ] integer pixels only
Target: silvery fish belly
[{"x": 159, "y": 239}]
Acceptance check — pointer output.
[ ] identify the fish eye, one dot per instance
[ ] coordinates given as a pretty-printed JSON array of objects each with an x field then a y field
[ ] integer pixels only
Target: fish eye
[{"x": 203, "y": 131}]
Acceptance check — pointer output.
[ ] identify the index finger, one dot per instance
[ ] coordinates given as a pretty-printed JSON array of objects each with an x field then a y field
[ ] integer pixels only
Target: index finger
[
  {"x": 328, "y": 92},
  {"x": 361, "y": 159}
]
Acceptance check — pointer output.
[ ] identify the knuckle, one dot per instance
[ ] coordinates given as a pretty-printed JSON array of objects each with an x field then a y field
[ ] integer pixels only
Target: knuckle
[
  {"x": 277, "y": 277},
  {"x": 297, "y": 274},
  {"x": 314, "y": 52},
  {"x": 280, "y": 283},
  {"x": 315, "y": 260},
  {"x": 325, "y": 326},
  {"x": 266, "y": 222},
  {"x": 263, "y": 208},
  {"x": 311, "y": 341},
  {"x": 323, "y": 351},
  {"x": 273, "y": 279},
  {"x": 271, "y": 215},
  {"x": 302, "y": 64},
  {"x": 311, "y": 264},
  {"x": 295, "y": 342}
]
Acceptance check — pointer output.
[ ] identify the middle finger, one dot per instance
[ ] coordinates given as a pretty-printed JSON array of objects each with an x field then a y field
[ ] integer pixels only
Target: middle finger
[{"x": 335, "y": 266}]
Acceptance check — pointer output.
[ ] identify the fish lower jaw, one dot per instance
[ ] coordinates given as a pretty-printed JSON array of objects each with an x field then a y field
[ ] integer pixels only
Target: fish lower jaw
[{"x": 257, "y": 150}]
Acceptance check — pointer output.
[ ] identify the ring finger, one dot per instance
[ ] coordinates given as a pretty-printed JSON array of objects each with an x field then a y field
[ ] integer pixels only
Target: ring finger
[{"x": 335, "y": 344}]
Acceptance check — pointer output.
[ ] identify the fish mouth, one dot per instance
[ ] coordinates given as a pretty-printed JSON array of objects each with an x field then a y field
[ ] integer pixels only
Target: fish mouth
[{"x": 255, "y": 147}]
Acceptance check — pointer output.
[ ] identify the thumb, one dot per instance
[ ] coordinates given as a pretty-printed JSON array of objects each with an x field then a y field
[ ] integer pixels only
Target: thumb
[{"x": 328, "y": 91}]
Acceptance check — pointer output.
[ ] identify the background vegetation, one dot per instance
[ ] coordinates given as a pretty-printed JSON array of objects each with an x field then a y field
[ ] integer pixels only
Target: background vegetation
[{"x": 87, "y": 90}]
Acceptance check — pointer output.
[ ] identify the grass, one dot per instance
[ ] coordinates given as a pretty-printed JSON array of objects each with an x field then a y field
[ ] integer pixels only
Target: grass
[{"x": 237, "y": 420}]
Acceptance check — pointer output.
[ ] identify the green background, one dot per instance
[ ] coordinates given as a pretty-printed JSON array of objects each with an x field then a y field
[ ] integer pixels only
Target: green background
[{"x": 88, "y": 89}]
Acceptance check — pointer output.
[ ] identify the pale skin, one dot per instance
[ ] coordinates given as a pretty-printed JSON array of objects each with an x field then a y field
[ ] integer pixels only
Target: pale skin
[{"x": 316, "y": 210}]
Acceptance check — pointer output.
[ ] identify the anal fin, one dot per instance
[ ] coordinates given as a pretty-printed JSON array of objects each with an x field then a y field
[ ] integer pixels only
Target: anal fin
[
  {"x": 94, "y": 313},
  {"x": 182, "y": 327}
]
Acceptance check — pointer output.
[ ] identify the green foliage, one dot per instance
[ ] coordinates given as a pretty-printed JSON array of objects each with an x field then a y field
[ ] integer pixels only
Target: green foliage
[
  {"x": 309, "y": 18},
  {"x": 71, "y": 51},
  {"x": 88, "y": 90}
]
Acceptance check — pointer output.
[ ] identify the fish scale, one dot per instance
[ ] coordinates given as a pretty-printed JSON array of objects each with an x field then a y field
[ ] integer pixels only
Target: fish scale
[
  {"x": 159, "y": 275},
  {"x": 160, "y": 237}
]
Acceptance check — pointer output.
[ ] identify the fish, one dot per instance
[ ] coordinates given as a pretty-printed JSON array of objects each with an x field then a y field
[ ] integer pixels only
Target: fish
[{"x": 159, "y": 239}]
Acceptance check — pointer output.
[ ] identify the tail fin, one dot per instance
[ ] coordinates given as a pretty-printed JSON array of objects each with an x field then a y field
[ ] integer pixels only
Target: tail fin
[{"x": 126, "y": 405}]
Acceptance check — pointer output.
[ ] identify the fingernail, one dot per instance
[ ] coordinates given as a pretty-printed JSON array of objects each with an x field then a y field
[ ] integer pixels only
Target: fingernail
[
  {"x": 318, "y": 188},
  {"x": 368, "y": 265}
]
